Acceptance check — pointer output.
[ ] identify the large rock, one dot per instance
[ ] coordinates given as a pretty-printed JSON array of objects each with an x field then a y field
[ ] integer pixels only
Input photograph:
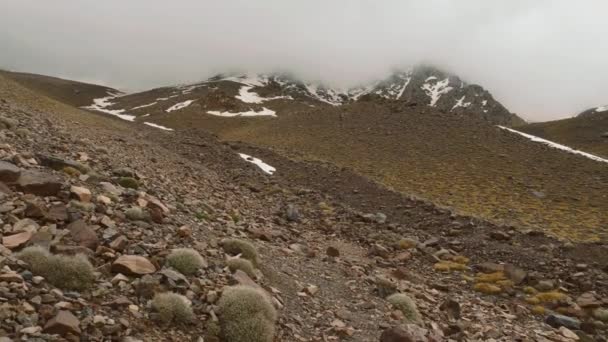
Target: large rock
[
  {"x": 83, "y": 234},
  {"x": 16, "y": 240},
  {"x": 62, "y": 324},
  {"x": 9, "y": 173},
  {"x": 81, "y": 193},
  {"x": 557, "y": 321},
  {"x": 133, "y": 264},
  {"x": 38, "y": 183},
  {"x": 407, "y": 333},
  {"x": 59, "y": 164}
]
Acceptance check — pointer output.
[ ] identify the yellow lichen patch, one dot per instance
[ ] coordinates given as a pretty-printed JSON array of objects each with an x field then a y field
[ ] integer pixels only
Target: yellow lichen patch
[
  {"x": 460, "y": 259},
  {"x": 490, "y": 277},
  {"x": 505, "y": 283},
  {"x": 530, "y": 290},
  {"x": 71, "y": 171},
  {"x": 550, "y": 297},
  {"x": 538, "y": 310},
  {"x": 407, "y": 243},
  {"x": 487, "y": 288},
  {"x": 446, "y": 266},
  {"x": 532, "y": 300}
]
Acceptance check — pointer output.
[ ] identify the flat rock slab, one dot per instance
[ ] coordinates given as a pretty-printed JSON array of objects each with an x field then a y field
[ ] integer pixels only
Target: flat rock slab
[
  {"x": 9, "y": 173},
  {"x": 39, "y": 183},
  {"x": 16, "y": 240},
  {"x": 133, "y": 265}
]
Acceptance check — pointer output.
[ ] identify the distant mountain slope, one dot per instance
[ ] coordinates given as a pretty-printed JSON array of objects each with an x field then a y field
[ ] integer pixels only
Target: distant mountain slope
[
  {"x": 67, "y": 91},
  {"x": 279, "y": 94},
  {"x": 587, "y": 131}
]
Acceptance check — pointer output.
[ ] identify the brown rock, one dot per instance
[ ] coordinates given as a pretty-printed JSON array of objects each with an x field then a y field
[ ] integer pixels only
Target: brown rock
[
  {"x": 4, "y": 189},
  {"x": 489, "y": 267},
  {"x": 396, "y": 334},
  {"x": 82, "y": 194},
  {"x": 133, "y": 265},
  {"x": 588, "y": 300},
  {"x": 83, "y": 234},
  {"x": 154, "y": 203},
  {"x": 16, "y": 240},
  {"x": 241, "y": 278},
  {"x": 500, "y": 236},
  {"x": 516, "y": 274},
  {"x": 62, "y": 324},
  {"x": 11, "y": 278},
  {"x": 184, "y": 231},
  {"x": 38, "y": 183},
  {"x": 332, "y": 252},
  {"x": 57, "y": 212},
  {"x": 9, "y": 173},
  {"x": 34, "y": 207},
  {"x": 120, "y": 243},
  {"x": 156, "y": 215}
]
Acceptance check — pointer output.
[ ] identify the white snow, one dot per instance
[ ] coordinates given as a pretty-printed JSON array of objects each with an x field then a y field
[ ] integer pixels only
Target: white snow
[
  {"x": 248, "y": 96},
  {"x": 460, "y": 103},
  {"x": 179, "y": 106},
  {"x": 144, "y": 106},
  {"x": 143, "y": 116},
  {"x": 158, "y": 126},
  {"x": 484, "y": 102},
  {"x": 434, "y": 91},
  {"x": 601, "y": 109},
  {"x": 166, "y": 98},
  {"x": 264, "y": 112},
  {"x": 556, "y": 145},
  {"x": 430, "y": 78},
  {"x": 323, "y": 94},
  {"x": 102, "y": 103},
  {"x": 265, "y": 167}
]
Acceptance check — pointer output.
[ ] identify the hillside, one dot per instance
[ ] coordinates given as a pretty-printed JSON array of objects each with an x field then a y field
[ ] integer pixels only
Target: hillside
[
  {"x": 587, "y": 131},
  {"x": 74, "y": 93},
  {"x": 332, "y": 254}
]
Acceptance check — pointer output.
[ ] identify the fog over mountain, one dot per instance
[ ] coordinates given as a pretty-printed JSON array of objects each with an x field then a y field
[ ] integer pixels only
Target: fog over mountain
[{"x": 543, "y": 59}]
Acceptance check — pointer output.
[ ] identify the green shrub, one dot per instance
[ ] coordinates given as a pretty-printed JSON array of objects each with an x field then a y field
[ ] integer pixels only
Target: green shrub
[
  {"x": 406, "y": 305},
  {"x": 244, "y": 265},
  {"x": 128, "y": 182},
  {"x": 71, "y": 171},
  {"x": 246, "y": 315},
  {"x": 185, "y": 260},
  {"x": 73, "y": 272},
  {"x": 172, "y": 308},
  {"x": 244, "y": 248}
]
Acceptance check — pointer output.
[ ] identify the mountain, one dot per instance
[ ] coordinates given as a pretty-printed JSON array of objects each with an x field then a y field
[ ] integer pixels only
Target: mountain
[
  {"x": 67, "y": 91},
  {"x": 113, "y": 228},
  {"x": 587, "y": 131},
  {"x": 278, "y": 94}
]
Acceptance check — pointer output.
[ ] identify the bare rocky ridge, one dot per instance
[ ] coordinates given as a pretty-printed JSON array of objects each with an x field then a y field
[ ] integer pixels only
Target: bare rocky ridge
[{"x": 333, "y": 245}]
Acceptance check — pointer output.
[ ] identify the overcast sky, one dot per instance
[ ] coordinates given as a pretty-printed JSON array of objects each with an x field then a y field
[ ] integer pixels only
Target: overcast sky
[{"x": 544, "y": 59}]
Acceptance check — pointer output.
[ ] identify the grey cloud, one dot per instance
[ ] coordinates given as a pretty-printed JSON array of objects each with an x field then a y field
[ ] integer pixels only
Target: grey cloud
[{"x": 543, "y": 59}]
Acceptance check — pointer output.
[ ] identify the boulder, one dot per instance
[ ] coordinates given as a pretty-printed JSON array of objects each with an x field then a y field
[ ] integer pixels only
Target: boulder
[
  {"x": 9, "y": 173},
  {"x": 133, "y": 265},
  {"x": 59, "y": 164},
  {"x": 38, "y": 183},
  {"x": 557, "y": 321},
  {"x": 62, "y": 324}
]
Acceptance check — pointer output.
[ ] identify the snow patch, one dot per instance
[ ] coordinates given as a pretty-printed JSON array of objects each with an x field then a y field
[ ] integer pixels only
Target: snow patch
[
  {"x": 264, "y": 112},
  {"x": 151, "y": 124},
  {"x": 144, "y": 106},
  {"x": 166, "y": 98},
  {"x": 248, "y": 96},
  {"x": 484, "y": 103},
  {"x": 601, "y": 109},
  {"x": 556, "y": 145},
  {"x": 460, "y": 103},
  {"x": 147, "y": 114},
  {"x": 323, "y": 94},
  {"x": 101, "y": 104},
  {"x": 265, "y": 167},
  {"x": 179, "y": 106},
  {"x": 434, "y": 91}
]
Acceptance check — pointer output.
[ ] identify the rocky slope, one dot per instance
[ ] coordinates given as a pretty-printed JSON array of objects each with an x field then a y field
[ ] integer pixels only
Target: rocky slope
[{"x": 126, "y": 195}]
